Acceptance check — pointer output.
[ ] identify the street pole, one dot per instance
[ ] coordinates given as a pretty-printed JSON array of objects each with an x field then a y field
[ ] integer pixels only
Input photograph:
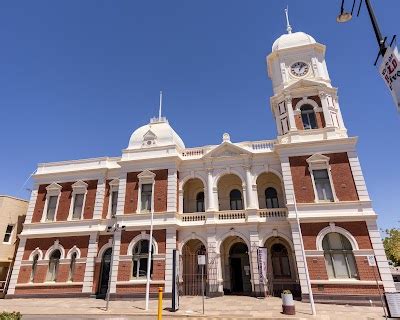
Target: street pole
[
  {"x": 377, "y": 285},
  {"x": 111, "y": 266},
  {"x": 202, "y": 285},
  {"x": 150, "y": 251},
  {"x": 377, "y": 31},
  {"x": 313, "y": 311}
]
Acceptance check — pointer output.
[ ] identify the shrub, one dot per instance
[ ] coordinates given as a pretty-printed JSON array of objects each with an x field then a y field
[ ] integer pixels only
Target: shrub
[{"x": 10, "y": 316}]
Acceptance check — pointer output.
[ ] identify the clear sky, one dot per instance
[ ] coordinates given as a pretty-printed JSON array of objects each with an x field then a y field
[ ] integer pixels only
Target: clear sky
[{"x": 78, "y": 77}]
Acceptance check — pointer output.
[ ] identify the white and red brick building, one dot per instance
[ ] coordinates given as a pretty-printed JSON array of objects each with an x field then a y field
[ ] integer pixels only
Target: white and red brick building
[{"x": 225, "y": 200}]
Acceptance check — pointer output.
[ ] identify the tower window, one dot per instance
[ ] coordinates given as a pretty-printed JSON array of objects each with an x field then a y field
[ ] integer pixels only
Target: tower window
[
  {"x": 323, "y": 185},
  {"x": 308, "y": 117},
  {"x": 78, "y": 206},
  {"x": 236, "y": 200},
  {"x": 146, "y": 197},
  {"x": 51, "y": 208},
  {"x": 114, "y": 202}
]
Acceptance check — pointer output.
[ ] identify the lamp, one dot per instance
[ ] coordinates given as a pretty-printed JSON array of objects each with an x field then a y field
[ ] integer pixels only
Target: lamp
[{"x": 344, "y": 16}]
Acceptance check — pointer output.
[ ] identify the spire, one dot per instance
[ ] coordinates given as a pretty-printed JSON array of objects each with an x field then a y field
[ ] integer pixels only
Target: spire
[
  {"x": 160, "y": 109},
  {"x": 288, "y": 26}
]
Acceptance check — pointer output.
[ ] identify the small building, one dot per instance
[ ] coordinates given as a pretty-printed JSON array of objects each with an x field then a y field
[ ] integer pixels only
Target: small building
[{"x": 12, "y": 216}]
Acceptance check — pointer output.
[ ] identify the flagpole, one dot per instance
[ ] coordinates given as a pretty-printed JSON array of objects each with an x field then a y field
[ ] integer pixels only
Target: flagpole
[
  {"x": 311, "y": 295},
  {"x": 150, "y": 251}
]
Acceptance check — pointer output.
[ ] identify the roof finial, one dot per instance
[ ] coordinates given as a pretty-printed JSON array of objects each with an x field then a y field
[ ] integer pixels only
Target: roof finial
[
  {"x": 288, "y": 26},
  {"x": 160, "y": 109}
]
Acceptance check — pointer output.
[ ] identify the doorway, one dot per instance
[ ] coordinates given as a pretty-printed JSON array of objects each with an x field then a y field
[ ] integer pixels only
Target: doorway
[
  {"x": 104, "y": 274},
  {"x": 239, "y": 267}
]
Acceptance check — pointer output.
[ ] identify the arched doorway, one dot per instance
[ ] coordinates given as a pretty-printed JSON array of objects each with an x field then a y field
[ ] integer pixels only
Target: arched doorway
[
  {"x": 191, "y": 271},
  {"x": 236, "y": 266},
  {"x": 104, "y": 273},
  {"x": 281, "y": 267}
]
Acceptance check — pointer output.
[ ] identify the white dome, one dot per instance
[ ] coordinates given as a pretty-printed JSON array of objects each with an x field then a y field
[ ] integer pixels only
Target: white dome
[
  {"x": 290, "y": 40},
  {"x": 155, "y": 134}
]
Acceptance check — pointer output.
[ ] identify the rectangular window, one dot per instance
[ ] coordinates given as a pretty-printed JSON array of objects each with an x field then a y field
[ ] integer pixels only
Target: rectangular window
[
  {"x": 78, "y": 206},
  {"x": 114, "y": 200},
  {"x": 323, "y": 185},
  {"x": 146, "y": 197},
  {"x": 51, "y": 208},
  {"x": 7, "y": 235}
]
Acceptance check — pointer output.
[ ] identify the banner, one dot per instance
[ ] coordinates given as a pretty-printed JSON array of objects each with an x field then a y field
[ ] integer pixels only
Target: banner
[
  {"x": 390, "y": 72},
  {"x": 262, "y": 254}
]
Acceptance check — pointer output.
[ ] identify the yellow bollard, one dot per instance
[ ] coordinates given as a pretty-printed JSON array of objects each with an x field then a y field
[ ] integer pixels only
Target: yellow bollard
[{"x": 159, "y": 314}]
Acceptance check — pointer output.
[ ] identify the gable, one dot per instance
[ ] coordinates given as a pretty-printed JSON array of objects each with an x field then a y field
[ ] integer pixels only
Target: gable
[{"x": 226, "y": 149}]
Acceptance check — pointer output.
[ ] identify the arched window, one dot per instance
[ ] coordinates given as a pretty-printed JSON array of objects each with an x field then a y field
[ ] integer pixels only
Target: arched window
[
  {"x": 54, "y": 262},
  {"x": 280, "y": 261},
  {"x": 34, "y": 267},
  {"x": 200, "y": 202},
  {"x": 271, "y": 198},
  {"x": 308, "y": 117},
  {"x": 140, "y": 257},
  {"x": 235, "y": 197},
  {"x": 72, "y": 266},
  {"x": 339, "y": 256}
]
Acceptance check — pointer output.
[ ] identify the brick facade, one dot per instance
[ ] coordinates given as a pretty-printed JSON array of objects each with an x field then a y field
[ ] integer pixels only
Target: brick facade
[{"x": 342, "y": 178}]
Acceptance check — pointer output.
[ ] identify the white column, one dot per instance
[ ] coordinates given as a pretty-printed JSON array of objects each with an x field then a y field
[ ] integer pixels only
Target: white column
[
  {"x": 121, "y": 194},
  {"x": 99, "y": 201},
  {"x": 115, "y": 261},
  {"x": 180, "y": 209},
  {"x": 16, "y": 267},
  {"x": 339, "y": 113},
  {"x": 170, "y": 245},
  {"x": 255, "y": 243},
  {"x": 172, "y": 190},
  {"x": 90, "y": 264},
  {"x": 289, "y": 107},
  {"x": 381, "y": 259},
  {"x": 325, "y": 109},
  {"x": 32, "y": 203},
  {"x": 358, "y": 176},
  {"x": 210, "y": 193},
  {"x": 213, "y": 265},
  {"x": 287, "y": 179},
  {"x": 301, "y": 271},
  {"x": 249, "y": 189}
]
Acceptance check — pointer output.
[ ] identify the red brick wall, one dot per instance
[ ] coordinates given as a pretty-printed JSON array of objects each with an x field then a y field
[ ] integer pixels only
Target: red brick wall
[
  {"x": 346, "y": 289},
  {"x": 342, "y": 178},
  {"x": 65, "y": 201},
  {"x": 160, "y": 191},
  {"x": 358, "y": 229},
  {"x": 137, "y": 288},
  {"x": 317, "y": 268},
  {"x": 48, "y": 290},
  {"x": 365, "y": 272},
  {"x": 127, "y": 236},
  {"x": 43, "y": 244}
]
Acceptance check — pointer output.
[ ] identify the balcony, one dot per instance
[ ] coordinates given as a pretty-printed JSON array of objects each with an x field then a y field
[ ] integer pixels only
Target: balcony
[{"x": 232, "y": 216}]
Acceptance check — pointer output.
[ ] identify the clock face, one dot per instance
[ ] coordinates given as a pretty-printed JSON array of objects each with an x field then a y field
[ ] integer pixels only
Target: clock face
[{"x": 299, "y": 69}]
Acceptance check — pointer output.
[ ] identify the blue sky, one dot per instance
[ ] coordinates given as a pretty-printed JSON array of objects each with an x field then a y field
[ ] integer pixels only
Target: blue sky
[{"x": 77, "y": 77}]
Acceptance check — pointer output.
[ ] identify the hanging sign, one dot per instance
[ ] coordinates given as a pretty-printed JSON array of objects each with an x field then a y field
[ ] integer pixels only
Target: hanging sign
[
  {"x": 262, "y": 265},
  {"x": 390, "y": 72}
]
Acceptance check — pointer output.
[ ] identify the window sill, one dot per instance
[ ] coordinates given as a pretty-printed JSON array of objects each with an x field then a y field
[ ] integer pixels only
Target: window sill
[{"x": 48, "y": 283}]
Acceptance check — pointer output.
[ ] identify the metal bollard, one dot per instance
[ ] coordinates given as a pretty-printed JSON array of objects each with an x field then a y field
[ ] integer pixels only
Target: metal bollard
[{"x": 160, "y": 295}]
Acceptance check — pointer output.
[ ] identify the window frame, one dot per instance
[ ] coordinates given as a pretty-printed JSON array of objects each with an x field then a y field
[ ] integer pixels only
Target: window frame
[
  {"x": 321, "y": 162},
  {"x": 52, "y": 190},
  {"x": 114, "y": 187},
  {"x": 266, "y": 199},
  {"x": 145, "y": 177},
  {"x": 310, "y": 110},
  {"x": 198, "y": 201},
  {"x": 35, "y": 262},
  {"x": 236, "y": 200},
  {"x": 11, "y": 234},
  {"x": 78, "y": 188},
  {"x": 141, "y": 256},
  {"x": 50, "y": 277}
]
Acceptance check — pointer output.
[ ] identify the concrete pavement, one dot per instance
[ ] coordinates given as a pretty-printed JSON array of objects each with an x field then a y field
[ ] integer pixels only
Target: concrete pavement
[{"x": 226, "y": 307}]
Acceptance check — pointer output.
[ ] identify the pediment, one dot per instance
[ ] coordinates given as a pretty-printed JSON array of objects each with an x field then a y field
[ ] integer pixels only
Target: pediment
[
  {"x": 302, "y": 84},
  {"x": 53, "y": 187},
  {"x": 80, "y": 184},
  {"x": 146, "y": 174},
  {"x": 317, "y": 158},
  {"x": 226, "y": 149},
  {"x": 114, "y": 182},
  {"x": 149, "y": 135}
]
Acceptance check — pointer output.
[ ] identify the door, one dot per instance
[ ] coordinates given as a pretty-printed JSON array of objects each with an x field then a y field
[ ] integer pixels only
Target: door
[
  {"x": 236, "y": 274},
  {"x": 105, "y": 273}
]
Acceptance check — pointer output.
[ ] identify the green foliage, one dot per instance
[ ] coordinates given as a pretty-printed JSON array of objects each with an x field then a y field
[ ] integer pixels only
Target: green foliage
[
  {"x": 10, "y": 316},
  {"x": 392, "y": 245},
  {"x": 287, "y": 292}
]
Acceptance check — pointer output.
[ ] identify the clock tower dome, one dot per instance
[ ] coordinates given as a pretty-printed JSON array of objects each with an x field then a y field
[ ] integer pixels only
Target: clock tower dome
[{"x": 305, "y": 105}]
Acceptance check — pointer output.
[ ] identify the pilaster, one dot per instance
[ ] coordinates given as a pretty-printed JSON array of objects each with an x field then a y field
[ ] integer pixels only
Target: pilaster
[
  {"x": 301, "y": 265},
  {"x": 16, "y": 267},
  {"x": 99, "y": 201},
  {"x": 170, "y": 245},
  {"x": 115, "y": 261},
  {"x": 32, "y": 203},
  {"x": 172, "y": 189},
  {"x": 358, "y": 176},
  {"x": 289, "y": 107},
  {"x": 90, "y": 264},
  {"x": 121, "y": 194},
  {"x": 325, "y": 109}
]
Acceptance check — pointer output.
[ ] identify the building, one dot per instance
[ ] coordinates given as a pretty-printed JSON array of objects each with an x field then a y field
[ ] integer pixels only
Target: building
[
  {"x": 12, "y": 216},
  {"x": 225, "y": 200}
]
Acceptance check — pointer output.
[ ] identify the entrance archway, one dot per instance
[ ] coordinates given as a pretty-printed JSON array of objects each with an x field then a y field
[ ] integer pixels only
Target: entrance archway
[
  {"x": 236, "y": 266},
  {"x": 104, "y": 273},
  {"x": 281, "y": 267},
  {"x": 191, "y": 271}
]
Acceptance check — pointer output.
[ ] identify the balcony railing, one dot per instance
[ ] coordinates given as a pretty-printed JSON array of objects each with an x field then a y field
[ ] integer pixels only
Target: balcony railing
[{"x": 234, "y": 215}]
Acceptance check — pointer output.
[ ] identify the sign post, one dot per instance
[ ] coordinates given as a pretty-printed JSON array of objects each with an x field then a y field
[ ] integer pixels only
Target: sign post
[
  {"x": 201, "y": 261},
  {"x": 390, "y": 72}
]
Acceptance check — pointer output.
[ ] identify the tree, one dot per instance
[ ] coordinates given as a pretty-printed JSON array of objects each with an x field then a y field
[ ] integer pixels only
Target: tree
[{"x": 392, "y": 245}]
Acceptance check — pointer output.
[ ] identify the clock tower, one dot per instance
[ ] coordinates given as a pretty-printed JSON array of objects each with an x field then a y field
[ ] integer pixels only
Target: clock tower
[{"x": 305, "y": 105}]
